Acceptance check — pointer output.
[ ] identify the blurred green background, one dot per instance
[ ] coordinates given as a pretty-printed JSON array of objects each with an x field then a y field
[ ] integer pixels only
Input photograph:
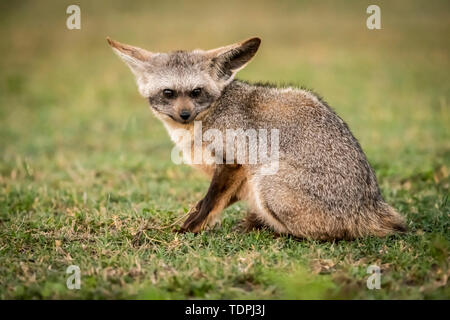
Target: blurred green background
[{"x": 84, "y": 164}]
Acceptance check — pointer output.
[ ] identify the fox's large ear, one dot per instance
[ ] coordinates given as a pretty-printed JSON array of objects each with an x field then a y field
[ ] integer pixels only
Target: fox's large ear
[
  {"x": 227, "y": 61},
  {"x": 136, "y": 58}
]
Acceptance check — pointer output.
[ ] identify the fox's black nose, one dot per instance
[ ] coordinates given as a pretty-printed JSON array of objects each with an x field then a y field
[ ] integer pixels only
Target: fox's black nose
[{"x": 185, "y": 114}]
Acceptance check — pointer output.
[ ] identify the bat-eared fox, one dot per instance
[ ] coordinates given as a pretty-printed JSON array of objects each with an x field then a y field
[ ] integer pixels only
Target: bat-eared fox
[{"x": 323, "y": 188}]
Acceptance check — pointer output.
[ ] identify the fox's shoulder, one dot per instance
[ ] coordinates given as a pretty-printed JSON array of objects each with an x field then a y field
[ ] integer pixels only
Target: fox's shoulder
[{"x": 276, "y": 99}]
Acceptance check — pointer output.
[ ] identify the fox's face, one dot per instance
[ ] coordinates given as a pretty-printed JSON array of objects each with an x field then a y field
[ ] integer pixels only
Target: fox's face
[{"x": 180, "y": 85}]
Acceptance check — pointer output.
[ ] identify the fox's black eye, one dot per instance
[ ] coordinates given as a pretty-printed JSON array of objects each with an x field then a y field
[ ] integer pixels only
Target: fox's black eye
[
  {"x": 196, "y": 92},
  {"x": 168, "y": 93}
]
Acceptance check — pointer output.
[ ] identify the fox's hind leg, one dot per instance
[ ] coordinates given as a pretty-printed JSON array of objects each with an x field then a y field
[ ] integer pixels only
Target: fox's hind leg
[
  {"x": 261, "y": 214},
  {"x": 284, "y": 204},
  {"x": 284, "y": 210}
]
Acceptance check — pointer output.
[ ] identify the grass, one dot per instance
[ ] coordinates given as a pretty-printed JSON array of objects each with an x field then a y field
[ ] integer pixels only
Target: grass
[{"x": 85, "y": 171}]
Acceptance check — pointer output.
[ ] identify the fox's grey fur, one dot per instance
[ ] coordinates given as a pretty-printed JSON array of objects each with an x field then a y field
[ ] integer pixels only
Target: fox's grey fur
[{"x": 324, "y": 189}]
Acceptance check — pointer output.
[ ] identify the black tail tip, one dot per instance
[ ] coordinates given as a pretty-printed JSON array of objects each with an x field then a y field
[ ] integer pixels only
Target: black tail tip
[{"x": 400, "y": 227}]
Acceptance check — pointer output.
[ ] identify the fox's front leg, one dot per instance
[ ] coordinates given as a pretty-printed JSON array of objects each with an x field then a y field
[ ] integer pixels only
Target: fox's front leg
[{"x": 221, "y": 193}]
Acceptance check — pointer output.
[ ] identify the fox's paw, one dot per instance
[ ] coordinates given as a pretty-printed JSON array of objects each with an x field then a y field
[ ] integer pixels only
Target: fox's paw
[{"x": 195, "y": 222}]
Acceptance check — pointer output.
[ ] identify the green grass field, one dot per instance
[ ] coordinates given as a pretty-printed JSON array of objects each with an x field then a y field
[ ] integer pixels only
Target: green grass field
[{"x": 86, "y": 177}]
